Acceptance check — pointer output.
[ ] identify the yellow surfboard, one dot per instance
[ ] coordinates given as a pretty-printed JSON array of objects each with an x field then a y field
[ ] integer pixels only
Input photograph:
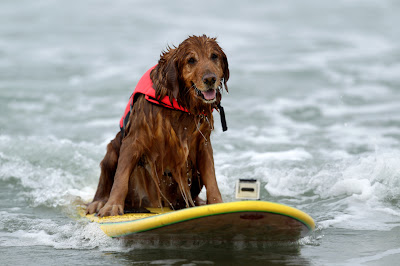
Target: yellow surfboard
[{"x": 241, "y": 221}]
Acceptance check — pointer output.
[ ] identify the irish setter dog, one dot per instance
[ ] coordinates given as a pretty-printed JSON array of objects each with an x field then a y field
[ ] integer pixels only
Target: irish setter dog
[{"x": 164, "y": 156}]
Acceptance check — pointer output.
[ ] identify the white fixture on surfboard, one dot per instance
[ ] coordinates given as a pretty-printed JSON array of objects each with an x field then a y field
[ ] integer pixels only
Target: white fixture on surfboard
[{"x": 247, "y": 189}]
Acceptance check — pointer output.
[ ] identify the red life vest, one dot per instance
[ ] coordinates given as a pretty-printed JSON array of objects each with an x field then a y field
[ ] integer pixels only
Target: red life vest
[{"x": 145, "y": 86}]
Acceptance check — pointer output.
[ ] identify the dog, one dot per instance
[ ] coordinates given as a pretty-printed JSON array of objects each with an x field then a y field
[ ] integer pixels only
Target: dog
[{"x": 162, "y": 157}]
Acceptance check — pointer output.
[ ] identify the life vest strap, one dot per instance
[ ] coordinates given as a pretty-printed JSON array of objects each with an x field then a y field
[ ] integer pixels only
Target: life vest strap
[{"x": 223, "y": 119}]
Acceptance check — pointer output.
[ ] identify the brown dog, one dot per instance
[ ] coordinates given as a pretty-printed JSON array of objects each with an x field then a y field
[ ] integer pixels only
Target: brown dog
[{"x": 163, "y": 156}]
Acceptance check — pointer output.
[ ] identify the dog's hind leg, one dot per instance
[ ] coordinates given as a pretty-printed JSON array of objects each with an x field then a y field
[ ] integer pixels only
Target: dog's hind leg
[
  {"x": 108, "y": 167},
  {"x": 130, "y": 153}
]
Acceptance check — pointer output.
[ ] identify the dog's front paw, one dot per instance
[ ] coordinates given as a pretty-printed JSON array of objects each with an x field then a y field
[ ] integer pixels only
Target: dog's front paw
[
  {"x": 214, "y": 197},
  {"x": 213, "y": 200},
  {"x": 95, "y": 206},
  {"x": 111, "y": 209},
  {"x": 199, "y": 201}
]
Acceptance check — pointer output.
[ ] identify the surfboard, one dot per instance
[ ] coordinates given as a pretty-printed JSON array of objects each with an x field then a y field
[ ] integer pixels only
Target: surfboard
[{"x": 232, "y": 221}]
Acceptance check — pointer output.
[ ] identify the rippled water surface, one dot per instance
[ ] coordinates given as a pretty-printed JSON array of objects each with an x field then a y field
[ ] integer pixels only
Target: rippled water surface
[{"x": 313, "y": 113}]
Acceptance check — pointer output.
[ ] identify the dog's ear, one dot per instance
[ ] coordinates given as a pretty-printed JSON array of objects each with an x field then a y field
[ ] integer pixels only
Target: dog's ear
[
  {"x": 165, "y": 76},
  {"x": 225, "y": 68},
  {"x": 171, "y": 73}
]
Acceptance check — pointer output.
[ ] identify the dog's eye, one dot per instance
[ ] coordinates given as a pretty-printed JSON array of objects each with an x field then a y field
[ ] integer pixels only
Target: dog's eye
[
  {"x": 191, "y": 60},
  {"x": 214, "y": 56}
]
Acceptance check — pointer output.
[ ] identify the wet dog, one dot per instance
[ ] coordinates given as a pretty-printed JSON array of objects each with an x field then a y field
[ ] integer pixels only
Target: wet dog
[{"x": 163, "y": 156}]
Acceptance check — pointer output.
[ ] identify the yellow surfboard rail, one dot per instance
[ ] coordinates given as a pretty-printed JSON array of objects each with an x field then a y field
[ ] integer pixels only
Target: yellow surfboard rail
[{"x": 118, "y": 226}]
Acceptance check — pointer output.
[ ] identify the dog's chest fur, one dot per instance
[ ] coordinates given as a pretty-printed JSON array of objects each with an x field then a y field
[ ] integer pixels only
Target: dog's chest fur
[{"x": 170, "y": 143}]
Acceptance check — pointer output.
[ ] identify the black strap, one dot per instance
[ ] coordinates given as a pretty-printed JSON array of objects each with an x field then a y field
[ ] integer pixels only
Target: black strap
[
  {"x": 223, "y": 119},
  {"x": 126, "y": 119}
]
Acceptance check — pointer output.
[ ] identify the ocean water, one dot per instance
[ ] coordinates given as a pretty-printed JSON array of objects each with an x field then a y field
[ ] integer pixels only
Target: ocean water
[{"x": 313, "y": 113}]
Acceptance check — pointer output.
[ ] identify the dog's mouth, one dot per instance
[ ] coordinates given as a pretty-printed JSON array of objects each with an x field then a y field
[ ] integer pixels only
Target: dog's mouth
[{"x": 208, "y": 96}]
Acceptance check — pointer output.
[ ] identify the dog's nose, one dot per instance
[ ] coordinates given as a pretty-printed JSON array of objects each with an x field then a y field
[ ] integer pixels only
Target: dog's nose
[{"x": 209, "y": 79}]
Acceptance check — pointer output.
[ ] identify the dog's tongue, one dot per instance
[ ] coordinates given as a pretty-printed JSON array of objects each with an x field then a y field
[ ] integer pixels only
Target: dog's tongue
[{"x": 209, "y": 95}]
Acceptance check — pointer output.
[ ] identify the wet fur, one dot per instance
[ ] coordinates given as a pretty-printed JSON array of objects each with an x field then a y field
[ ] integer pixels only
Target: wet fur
[{"x": 165, "y": 156}]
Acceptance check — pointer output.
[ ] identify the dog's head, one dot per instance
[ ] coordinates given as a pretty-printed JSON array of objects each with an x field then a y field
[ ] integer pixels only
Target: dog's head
[{"x": 195, "y": 71}]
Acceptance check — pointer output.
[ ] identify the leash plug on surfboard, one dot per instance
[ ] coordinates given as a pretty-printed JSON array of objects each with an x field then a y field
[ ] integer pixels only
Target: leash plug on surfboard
[{"x": 247, "y": 189}]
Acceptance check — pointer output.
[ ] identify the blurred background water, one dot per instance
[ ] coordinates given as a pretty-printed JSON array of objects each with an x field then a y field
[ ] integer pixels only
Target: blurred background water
[{"x": 313, "y": 113}]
